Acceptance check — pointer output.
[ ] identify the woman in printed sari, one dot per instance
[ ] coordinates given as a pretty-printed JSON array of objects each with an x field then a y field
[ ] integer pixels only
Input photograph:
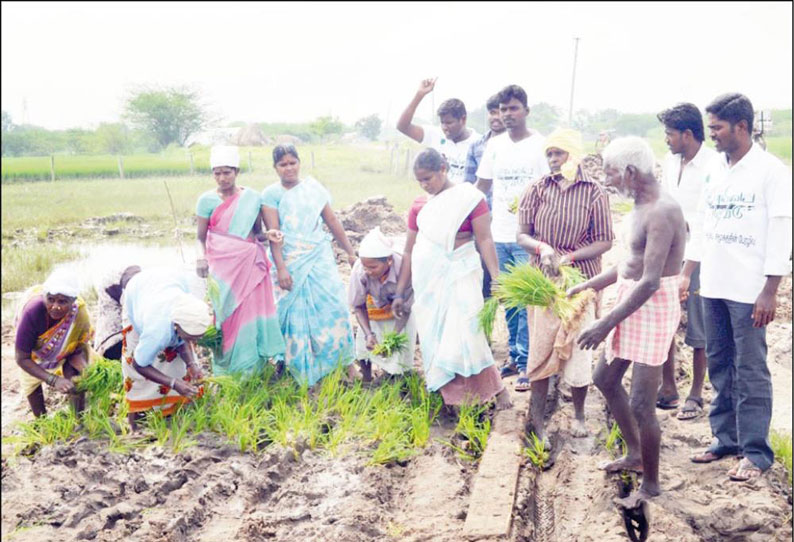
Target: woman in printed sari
[
  {"x": 161, "y": 319},
  {"x": 53, "y": 331},
  {"x": 312, "y": 308},
  {"x": 442, "y": 263},
  {"x": 230, "y": 238}
]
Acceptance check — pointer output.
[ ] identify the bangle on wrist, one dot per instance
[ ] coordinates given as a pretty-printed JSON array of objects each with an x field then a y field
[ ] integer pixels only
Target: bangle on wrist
[
  {"x": 51, "y": 379},
  {"x": 173, "y": 383},
  {"x": 570, "y": 257}
]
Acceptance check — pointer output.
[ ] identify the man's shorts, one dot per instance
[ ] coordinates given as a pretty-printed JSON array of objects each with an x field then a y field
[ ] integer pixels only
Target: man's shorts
[{"x": 695, "y": 326}]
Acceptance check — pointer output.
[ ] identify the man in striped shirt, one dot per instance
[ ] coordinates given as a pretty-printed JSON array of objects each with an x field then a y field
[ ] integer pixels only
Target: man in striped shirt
[{"x": 563, "y": 219}]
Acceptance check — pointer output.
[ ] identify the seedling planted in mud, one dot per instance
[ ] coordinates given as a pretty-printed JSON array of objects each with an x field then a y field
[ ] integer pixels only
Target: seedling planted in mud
[
  {"x": 614, "y": 442},
  {"x": 536, "y": 451},
  {"x": 781, "y": 445}
]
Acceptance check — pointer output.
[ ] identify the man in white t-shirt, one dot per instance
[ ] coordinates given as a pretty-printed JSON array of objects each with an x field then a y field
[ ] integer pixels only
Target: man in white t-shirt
[
  {"x": 744, "y": 246},
  {"x": 452, "y": 140},
  {"x": 511, "y": 161},
  {"x": 683, "y": 177}
]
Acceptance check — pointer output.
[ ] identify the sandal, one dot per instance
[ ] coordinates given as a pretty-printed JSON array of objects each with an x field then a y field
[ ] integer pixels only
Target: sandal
[
  {"x": 509, "y": 370},
  {"x": 667, "y": 402},
  {"x": 522, "y": 384},
  {"x": 706, "y": 457},
  {"x": 692, "y": 409},
  {"x": 746, "y": 471}
]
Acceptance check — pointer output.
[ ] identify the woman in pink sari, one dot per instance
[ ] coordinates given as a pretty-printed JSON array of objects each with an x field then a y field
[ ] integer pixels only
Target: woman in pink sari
[{"x": 237, "y": 269}]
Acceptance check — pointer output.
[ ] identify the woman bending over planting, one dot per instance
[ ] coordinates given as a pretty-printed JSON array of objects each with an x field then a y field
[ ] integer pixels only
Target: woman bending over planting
[
  {"x": 230, "y": 238},
  {"x": 161, "y": 319},
  {"x": 563, "y": 220},
  {"x": 442, "y": 264},
  {"x": 373, "y": 282},
  {"x": 53, "y": 331},
  {"x": 312, "y": 310}
]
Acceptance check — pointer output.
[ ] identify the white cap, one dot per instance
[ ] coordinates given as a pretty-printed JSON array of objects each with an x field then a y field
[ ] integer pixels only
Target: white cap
[
  {"x": 375, "y": 245},
  {"x": 62, "y": 282},
  {"x": 191, "y": 314},
  {"x": 224, "y": 155}
]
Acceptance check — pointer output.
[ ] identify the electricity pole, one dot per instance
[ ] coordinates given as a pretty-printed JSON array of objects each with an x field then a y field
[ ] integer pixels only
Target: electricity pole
[{"x": 573, "y": 80}]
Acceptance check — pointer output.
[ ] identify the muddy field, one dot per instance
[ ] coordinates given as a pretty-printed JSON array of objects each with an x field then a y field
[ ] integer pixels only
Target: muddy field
[{"x": 212, "y": 492}]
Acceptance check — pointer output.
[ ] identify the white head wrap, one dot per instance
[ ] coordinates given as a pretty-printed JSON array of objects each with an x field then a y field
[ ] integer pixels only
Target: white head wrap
[
  {"x": 62, "y": 282},
  {"x": 375, "y": 245},
  {"x": 191, "y": 314},
  {"x": 224, "y": 155}
]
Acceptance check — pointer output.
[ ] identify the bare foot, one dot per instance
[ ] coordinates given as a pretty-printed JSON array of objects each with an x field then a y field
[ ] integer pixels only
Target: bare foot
[
  {"x": 636, "y": 498},
  {"x": 579, "y": 429},
  {"x": 624, "y": 463},
  {"x": 503, "y": 401}
]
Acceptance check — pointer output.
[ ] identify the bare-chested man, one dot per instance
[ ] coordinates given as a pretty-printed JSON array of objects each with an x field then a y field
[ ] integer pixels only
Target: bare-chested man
[{"x": 646, "y": 313}]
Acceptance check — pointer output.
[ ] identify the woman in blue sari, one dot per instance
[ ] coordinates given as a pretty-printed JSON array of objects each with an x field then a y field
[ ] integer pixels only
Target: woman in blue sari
[{"x": 310, "y": 296}]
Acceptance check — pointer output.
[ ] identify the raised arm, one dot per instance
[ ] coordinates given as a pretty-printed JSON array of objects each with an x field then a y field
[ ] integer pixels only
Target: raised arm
[
  {"x": 329, "y": 216},
  {"x": 405, "y": 122}
]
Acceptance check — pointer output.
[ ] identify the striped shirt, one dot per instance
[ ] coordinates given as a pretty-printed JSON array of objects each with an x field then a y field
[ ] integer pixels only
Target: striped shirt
[{"x": 567, "y": 220}]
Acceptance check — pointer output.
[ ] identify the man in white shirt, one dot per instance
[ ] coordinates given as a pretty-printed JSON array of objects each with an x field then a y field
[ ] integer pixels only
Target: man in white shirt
[
  {"x": 683, "y": 177},
  {"x": 452, "y": 140},
  {"x": 743, "y": 247},
  {"x": 511, "y": 161}
]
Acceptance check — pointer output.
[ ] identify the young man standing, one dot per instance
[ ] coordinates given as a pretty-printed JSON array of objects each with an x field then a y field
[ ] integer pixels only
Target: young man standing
[
  {"x": 511, "y": 161},
  {"x": 452, "y": 140},
  {"x": 744, "y": 252},
  {"x": 473, "y": 159},
  {"x": 683, "y": 177},
  {"x": 646, "y": 314}
]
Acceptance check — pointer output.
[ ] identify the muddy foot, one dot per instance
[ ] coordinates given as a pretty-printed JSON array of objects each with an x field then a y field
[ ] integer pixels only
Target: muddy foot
[
  {"x": 503, "y": 401},
  {"x": 636, "y": 498},
  {"x": 624, "y": 463},
  {"x": 579, "y": 429}
]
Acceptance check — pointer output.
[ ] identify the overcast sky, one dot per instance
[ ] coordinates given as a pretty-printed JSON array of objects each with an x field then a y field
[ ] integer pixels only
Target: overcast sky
[{"x": 73, "y": 64}]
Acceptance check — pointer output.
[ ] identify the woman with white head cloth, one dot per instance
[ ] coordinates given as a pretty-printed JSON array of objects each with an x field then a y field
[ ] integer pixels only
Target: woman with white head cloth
[
  {"x": 161, "y": 320},
  {"x": 235, "y": 261},
  {"x": 373, "y": 283},
  {"x": 53, "y": 331}
]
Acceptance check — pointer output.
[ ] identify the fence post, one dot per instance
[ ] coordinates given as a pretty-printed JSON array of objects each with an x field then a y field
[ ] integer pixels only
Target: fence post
[
  {"x": 52, "y": 167},
  {"x": 121, "y": 166},
  {"x": 192, "y": 167},
  {"x": 250, "y": 165},
  {"x": 312, "y": 158}
]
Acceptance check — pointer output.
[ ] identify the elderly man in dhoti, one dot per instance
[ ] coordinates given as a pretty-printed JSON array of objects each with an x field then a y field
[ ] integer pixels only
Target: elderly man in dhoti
[
  {"x": 642, "y": 323},
  {"x": 564, "y": 219},
  {"x": 161, "y": 321},
  {"x": 373, "y": 282}
]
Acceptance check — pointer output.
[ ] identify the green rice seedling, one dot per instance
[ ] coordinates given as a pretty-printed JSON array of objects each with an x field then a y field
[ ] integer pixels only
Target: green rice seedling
[
  {"x": 100, "y": 378},
  {"x": 570, "y": 276},
  {"x": 181, "y": 423},
  {"x": 395, "y": 447},
  {"x": 213, "y": 337},
  {"x": 781, "y": 445},
  {"x": 614, "y": 442},
  {"x": 392, "y": 343},
  {"x": 57, "y": 427},
  {"x": 420, "y": 427},
  {"x": 487, "y": 316},
  {"x": 475, "y": 427},
  {"x": 157, "y": 425},
  {"x": 536, "y": 451}
]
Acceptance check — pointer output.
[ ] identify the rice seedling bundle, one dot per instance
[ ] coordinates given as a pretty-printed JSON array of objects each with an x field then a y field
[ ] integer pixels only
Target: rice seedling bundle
[
  {"x": 526, "y": 285},
  {"x": 101, "y": 377},
  {"x": 392, "y": 343}
]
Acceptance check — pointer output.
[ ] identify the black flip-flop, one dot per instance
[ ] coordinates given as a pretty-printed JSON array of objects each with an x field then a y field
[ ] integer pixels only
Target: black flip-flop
[
  {"x": 524, "y": 384},
  {"x": 667, "y": 402},
  {"x": 696, "y": 409}
]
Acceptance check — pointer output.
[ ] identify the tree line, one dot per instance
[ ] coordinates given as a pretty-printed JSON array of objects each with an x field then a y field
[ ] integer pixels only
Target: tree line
[{"x": 156, "y": 118}]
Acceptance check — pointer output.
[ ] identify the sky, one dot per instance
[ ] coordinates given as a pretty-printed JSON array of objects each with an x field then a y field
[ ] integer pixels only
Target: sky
[{"x": 74, "y": 64}]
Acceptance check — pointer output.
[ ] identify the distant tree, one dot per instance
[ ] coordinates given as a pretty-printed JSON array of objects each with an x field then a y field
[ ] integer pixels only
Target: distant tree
[
  {"x": 113, "y": 138},
  {"x": 544, "y": 117},
  {"x": 369, "y": 126},
  {"x": 8, "y": 125},
  {"x": 325, "y": 126},
  {"x": 170, "y": 115}
]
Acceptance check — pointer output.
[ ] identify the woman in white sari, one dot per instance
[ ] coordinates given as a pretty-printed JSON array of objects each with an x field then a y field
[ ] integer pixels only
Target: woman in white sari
[{"x": 443, "y": 265}]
